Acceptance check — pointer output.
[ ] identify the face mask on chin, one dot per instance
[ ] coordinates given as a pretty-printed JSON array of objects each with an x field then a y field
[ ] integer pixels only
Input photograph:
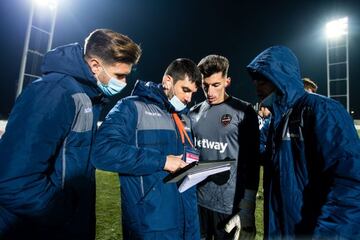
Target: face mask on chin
[
  {"x": 113, "y": 87},
  {"x": 177, "y": 104},
  {"x": 173, "y": 99}
]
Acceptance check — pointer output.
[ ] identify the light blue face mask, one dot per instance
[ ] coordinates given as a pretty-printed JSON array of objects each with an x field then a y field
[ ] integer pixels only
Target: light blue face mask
[
  {"x": 177, "y": 104},
  {"x": 113, "y": 87}
]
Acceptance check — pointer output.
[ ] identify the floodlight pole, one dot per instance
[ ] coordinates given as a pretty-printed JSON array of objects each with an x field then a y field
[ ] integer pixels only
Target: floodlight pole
[
  {"x": 347, "y": 74},
  {"x": 52, "y": 28},
  {"x": 25, "y": 50},
  {"x": 327, "y": 67},
  {"x": 33, "y": 51},
  {"x": 332, "y": 44}
]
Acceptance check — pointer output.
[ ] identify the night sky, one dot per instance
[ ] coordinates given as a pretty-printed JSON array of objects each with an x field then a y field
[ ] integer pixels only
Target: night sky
[{"x": 169, "y": 29}]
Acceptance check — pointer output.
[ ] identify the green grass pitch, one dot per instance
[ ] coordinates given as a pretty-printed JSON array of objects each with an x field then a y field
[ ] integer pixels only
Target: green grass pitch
[{"x": 108, "y": 215}]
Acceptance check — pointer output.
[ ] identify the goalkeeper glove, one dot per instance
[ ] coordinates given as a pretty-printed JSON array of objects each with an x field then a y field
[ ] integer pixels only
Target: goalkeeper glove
[{"x": 244, "y": 220}]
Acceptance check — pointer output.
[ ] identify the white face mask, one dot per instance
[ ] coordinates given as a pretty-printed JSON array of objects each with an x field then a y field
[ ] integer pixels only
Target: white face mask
[
  {"x": 177, "y": 104},
  {"x": 113, "y": 87}
]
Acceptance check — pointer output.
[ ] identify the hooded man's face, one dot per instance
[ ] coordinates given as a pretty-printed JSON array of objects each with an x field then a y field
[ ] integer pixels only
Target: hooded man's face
[{"x": 263, "y": 88}]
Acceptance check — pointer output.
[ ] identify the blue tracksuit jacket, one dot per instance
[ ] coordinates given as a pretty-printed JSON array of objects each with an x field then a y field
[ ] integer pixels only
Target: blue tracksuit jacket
[
  {"x": 312, "y": 171},
  {"x": 134, "y": 141},
  {"x": 46, "y": 179}
]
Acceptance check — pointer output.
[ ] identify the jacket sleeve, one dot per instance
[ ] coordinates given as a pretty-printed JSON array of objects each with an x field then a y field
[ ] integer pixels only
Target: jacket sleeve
[
  {"x": 38, "y": 124},
  {"x": 116, "y": 149},
  {"x": 249, "y": 148},
  {"x": 339, "y": 146},
  {"x": 264, "y": 132}
]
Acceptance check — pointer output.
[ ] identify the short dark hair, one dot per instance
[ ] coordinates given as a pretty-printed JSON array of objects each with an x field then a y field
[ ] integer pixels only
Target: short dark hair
[
  {"x": 111, "y": 47},
  {"x": 213, "y": 64},
  {"x": 182, "y": 67}
]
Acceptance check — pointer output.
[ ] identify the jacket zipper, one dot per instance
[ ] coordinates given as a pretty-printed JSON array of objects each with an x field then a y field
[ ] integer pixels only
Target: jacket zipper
[{"x": 141, "y": 178}]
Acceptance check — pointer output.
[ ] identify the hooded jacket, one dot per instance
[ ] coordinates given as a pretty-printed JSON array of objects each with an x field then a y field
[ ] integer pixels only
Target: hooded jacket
[
  {"x": 134, "y": 141},
  {"x": 312, "y": 169},
  {"x": 46, "y": 180}
]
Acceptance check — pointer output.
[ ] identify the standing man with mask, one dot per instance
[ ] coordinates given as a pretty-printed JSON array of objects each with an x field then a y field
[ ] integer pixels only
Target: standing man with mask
[
  {"x": 226, "y": 200},
  {"x": 312, "y": 164},
  {"x": 47, "y": 184},
  {"x": 143, "y": 139}
]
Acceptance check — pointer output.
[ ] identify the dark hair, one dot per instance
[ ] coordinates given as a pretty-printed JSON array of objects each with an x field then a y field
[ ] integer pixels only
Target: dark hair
[
  {"x": 182, "y": 67},
  {"x": 111, "y": 47},
  {"x": 213, "y": 64}
]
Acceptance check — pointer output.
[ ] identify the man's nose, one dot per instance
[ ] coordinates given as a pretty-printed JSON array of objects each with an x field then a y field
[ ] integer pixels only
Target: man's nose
[
  {"x": 188, "y": 97},
  {"x": 209, "y": 90}
]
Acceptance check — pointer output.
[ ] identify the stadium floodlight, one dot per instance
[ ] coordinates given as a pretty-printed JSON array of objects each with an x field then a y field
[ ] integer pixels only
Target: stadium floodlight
[
  {"x": 52, "y": 4},
  {"x": 337, "y": 28},
  {"x": 337, "y": 60}
]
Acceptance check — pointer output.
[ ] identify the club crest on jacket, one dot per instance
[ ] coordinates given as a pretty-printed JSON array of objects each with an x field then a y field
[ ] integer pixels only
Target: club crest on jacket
[{"x": 226, "y": 119}]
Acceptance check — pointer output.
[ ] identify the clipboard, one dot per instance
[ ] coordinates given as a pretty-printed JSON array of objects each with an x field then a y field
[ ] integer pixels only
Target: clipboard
[{"x": 196, "y": 172}]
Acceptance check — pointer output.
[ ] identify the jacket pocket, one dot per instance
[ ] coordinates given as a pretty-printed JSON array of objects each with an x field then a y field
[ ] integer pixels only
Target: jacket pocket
[{"x": 159, "y": 208}]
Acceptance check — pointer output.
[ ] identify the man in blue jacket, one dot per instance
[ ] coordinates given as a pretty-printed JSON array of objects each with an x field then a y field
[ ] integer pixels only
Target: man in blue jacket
[
  {"x": 140, "y": 140},
  {"x": 312, "y": 168},
  {"x": 47, "y": 184}
]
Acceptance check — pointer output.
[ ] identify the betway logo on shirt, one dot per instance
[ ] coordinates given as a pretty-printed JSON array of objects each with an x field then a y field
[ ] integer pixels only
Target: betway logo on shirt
[{"x": 206, "y": 143}]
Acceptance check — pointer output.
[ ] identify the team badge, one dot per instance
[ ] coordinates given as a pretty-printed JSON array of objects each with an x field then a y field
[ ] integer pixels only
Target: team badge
[{"x": 226, "y": 119}]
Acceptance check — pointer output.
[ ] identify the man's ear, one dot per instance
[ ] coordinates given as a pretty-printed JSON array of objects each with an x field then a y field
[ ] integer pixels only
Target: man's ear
[
  {"x": 227, "y": 81},
  {"x": 167, "y": 82},
  {"x": 94, "y": 65}
]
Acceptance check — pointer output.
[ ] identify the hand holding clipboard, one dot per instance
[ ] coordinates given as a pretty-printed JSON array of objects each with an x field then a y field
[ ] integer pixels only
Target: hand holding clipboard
[{"x": 196, "y": 172}]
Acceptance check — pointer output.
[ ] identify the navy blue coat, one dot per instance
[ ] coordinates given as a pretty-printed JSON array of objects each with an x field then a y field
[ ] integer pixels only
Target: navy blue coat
[
  {"x": 264, "y": 129},
  {"x": 46, "y": 180},
  {"x": 312, "y": 170},
  {"x": 134, "y": 141}
]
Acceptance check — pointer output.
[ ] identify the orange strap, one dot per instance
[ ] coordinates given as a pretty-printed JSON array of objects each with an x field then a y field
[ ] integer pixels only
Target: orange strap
[{"x": 182, "y": 130}]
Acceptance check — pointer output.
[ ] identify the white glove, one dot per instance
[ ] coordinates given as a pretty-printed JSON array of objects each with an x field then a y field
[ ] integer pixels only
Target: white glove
[
  {"x": 244, "y": 221},
  {"x": 234, "y": 222}
]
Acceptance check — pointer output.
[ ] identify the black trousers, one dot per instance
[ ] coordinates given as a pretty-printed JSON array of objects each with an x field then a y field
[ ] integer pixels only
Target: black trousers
[{"x": 212, "y": 225}]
